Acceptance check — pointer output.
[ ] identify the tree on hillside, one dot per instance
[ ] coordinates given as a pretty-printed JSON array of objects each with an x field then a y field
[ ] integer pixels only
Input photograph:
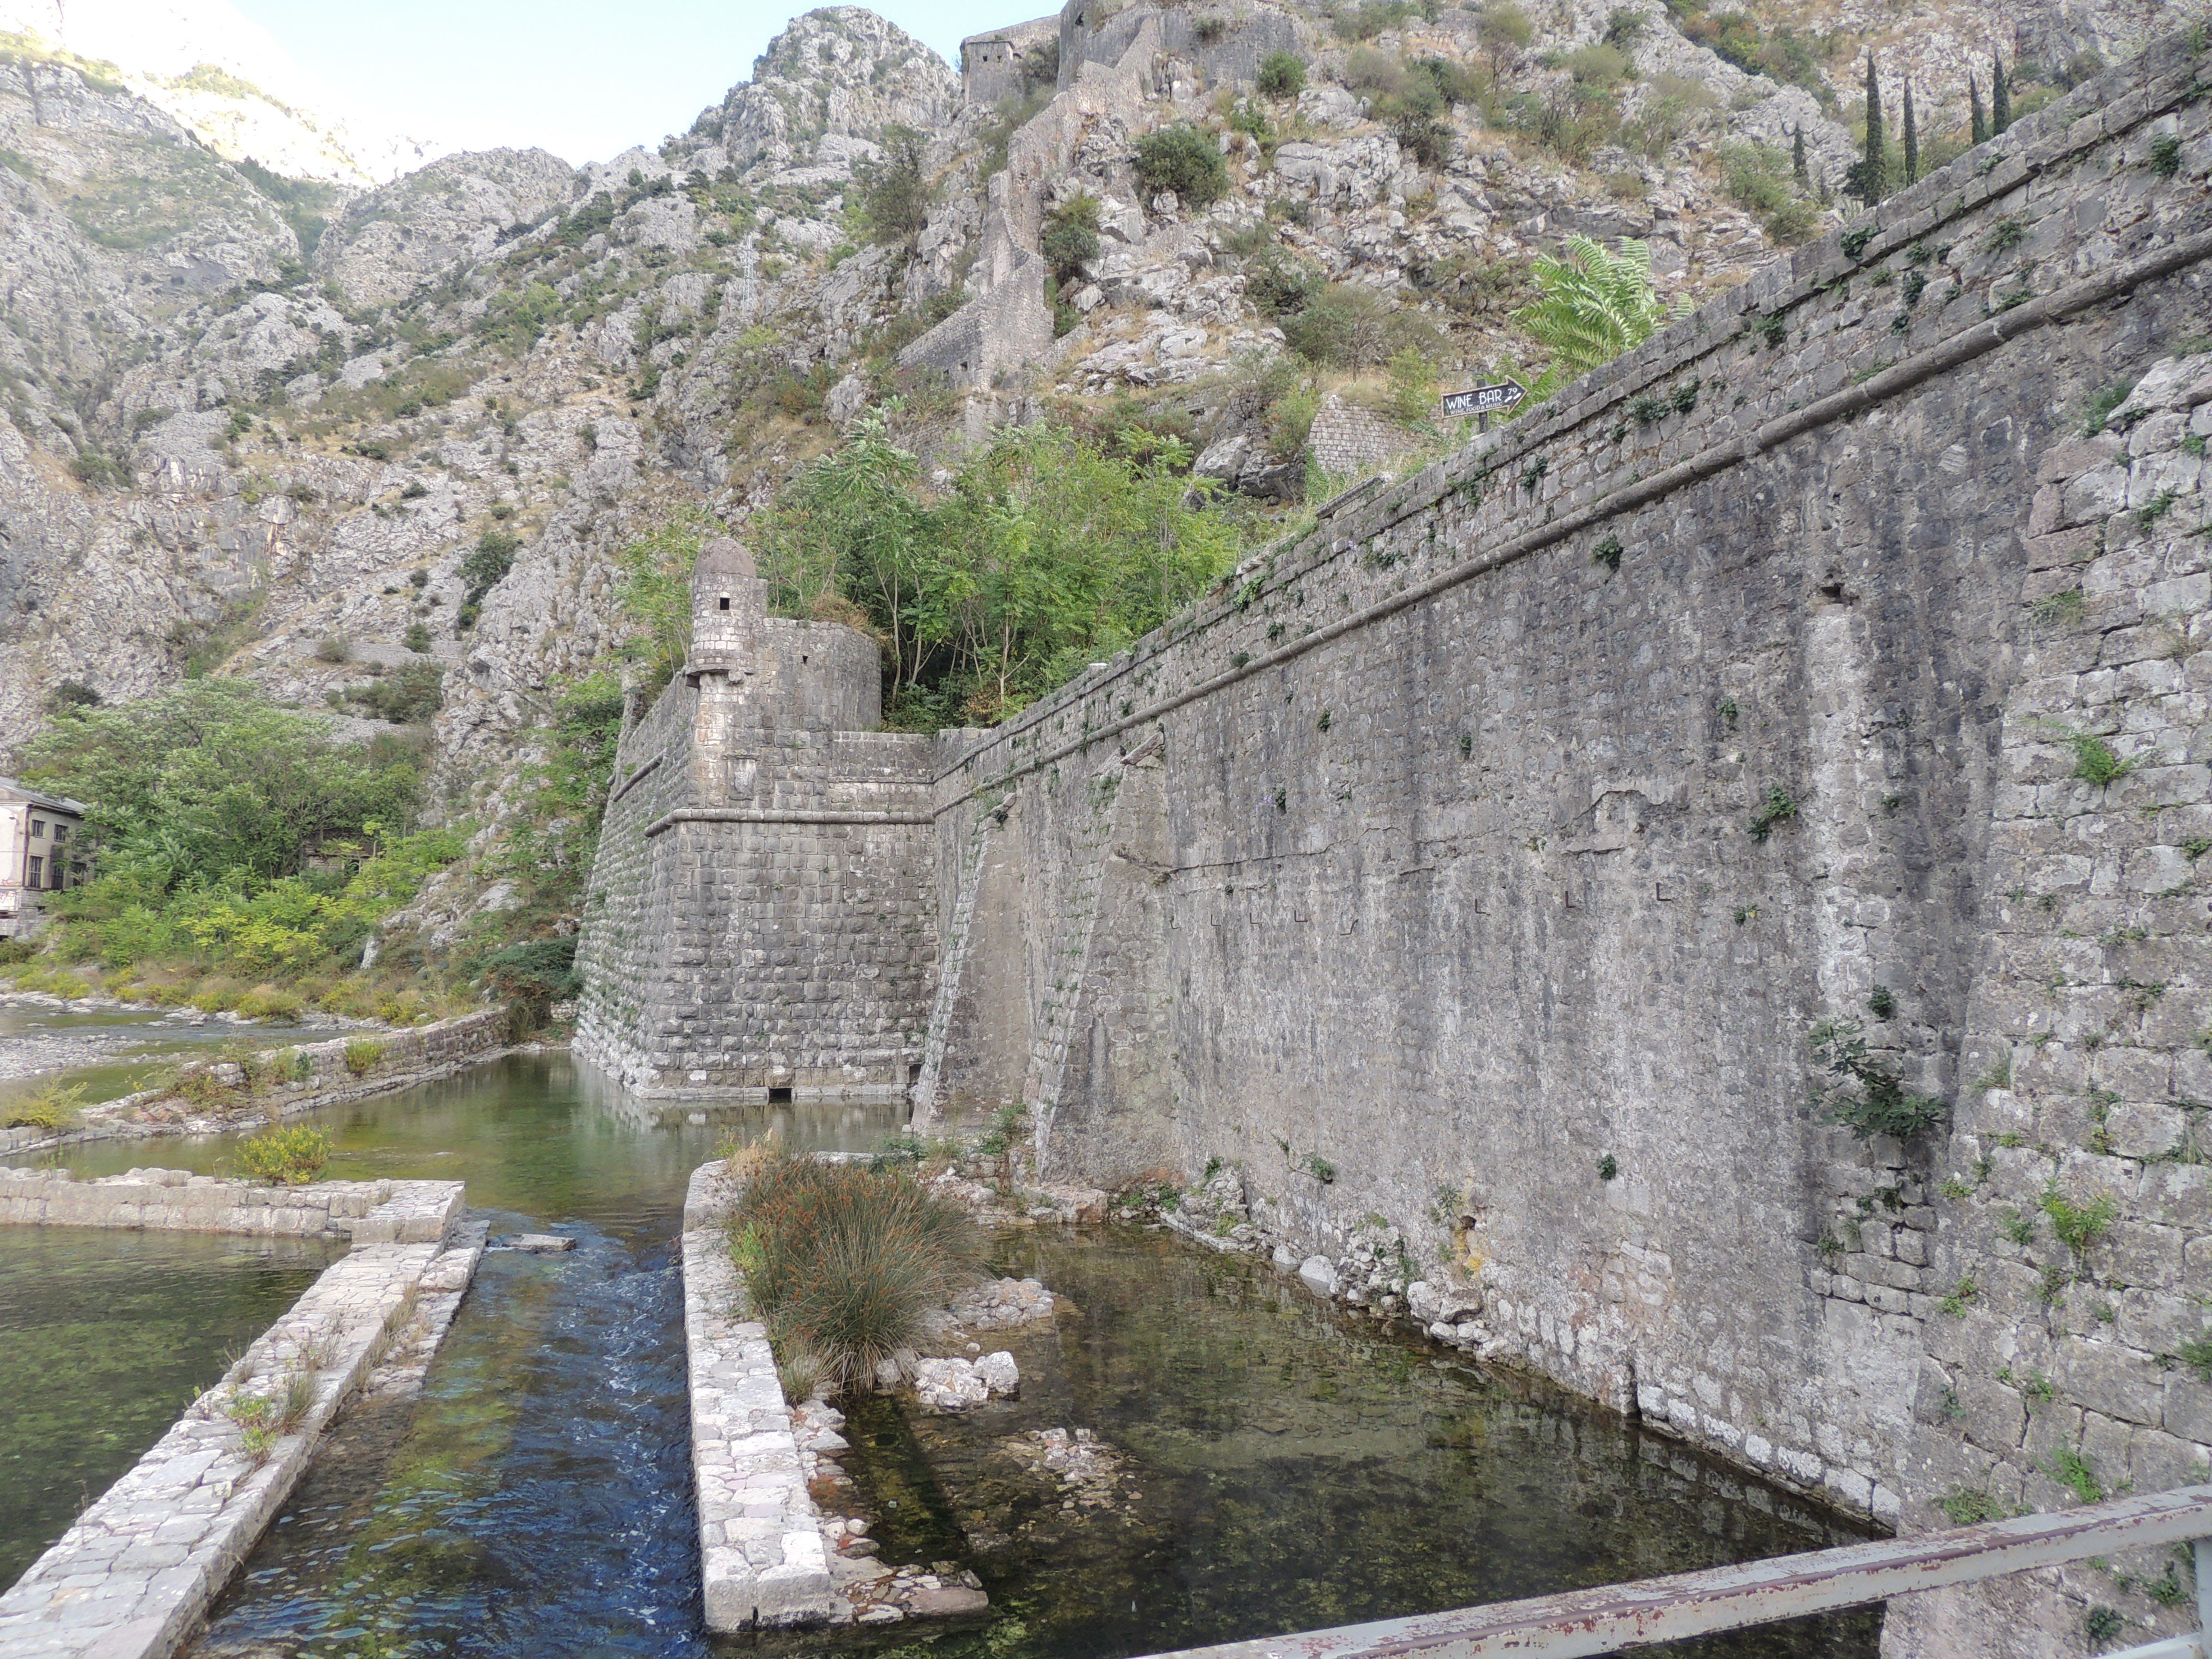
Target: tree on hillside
[
  {"x": 1980, "y": 122},
  {"x": 211, "y": 777},
  {"x": 2000, "y": 96},
  {"x": 1797, "y": 159},
  {"x": 1872, "y": 179},
  {"x": 894, "y": 195},
  {"x": 1912, "y": 139},
  {"x": 1594, "y": 304}
]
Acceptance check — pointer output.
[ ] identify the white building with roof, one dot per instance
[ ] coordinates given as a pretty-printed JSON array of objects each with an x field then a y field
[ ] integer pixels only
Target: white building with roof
[{"x": 41, "y": 851}]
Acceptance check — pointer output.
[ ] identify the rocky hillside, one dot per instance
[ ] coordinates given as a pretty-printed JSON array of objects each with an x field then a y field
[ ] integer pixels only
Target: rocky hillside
[
  {"x": 383, "y": 452},
  {"x": 219, "y": 76}
]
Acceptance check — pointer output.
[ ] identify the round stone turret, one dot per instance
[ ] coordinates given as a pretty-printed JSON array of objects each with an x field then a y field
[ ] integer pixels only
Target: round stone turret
[{"x": 729, "y": 603}]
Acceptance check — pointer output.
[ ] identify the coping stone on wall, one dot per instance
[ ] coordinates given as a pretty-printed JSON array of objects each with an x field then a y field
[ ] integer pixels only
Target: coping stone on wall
[
  {"x": 177, "y": 1201},
  {"x": 762, "y": 1559}
]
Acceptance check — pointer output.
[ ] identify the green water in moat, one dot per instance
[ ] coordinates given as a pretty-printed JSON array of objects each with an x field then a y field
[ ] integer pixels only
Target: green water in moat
[
  {"x": 103, "y": 1337},
  {"x": 1278, "y": 1466}
]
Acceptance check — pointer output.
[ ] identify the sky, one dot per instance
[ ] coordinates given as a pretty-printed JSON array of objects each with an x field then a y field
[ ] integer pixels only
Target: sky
[{"x": 586, "y": 79}]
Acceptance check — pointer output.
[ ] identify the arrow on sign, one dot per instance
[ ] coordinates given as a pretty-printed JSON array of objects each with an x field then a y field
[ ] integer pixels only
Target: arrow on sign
[{"x": 1484, "y": 399}]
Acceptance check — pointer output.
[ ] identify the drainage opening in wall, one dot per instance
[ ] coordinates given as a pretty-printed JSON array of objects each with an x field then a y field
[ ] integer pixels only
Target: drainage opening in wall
[{"x": 780, "y": 1097}]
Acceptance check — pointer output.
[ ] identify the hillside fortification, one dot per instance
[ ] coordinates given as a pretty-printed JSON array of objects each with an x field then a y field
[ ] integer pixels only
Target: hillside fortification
[{"x": 1493, "y": 858}]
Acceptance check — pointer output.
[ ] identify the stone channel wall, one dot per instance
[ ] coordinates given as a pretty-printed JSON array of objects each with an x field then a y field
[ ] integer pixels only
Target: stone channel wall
[
  {"x": 137, "y": 1573},
  {"x": 177, "y": 1201},
  {"x": 406, "y": 1057},
  {"x": 763, "y": 1560},
  {"x": 1486, "y": 860}
]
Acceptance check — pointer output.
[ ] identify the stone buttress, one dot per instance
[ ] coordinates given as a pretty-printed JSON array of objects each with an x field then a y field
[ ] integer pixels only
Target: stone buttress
[{"x": 761, "y": 919}]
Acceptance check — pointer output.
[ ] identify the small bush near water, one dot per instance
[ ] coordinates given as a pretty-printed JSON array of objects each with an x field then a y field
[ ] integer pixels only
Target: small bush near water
[
  {"x": 285, "y": 1157},
  {"x": 843, "y": 1261},
  {"x": 53, "y": 1107}
]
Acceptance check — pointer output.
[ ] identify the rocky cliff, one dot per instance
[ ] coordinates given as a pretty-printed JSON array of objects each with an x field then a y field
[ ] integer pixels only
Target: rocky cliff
[{"x": 252, "y": 429}]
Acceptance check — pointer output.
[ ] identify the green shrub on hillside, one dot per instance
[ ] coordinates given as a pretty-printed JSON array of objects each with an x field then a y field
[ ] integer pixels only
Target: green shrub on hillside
[
  {"x": 1282, "y": 75},
  {"x": 1186, "y": 161},
  {"x": 1760, "y": 179},
  {"x": 408, "y": 694}
]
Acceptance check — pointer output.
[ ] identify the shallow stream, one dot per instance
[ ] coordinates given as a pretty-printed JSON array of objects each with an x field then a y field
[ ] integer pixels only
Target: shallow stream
[{"x": 1263, "y": 1463}]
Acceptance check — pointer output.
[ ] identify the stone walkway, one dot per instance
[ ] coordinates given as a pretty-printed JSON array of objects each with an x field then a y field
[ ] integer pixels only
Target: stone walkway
[
  {"x": 137, "y": 1572},
  {"x": 762, "y": 1558}
]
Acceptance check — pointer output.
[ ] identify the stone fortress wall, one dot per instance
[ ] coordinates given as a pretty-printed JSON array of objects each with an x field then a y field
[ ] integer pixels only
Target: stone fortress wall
[
  {"x": 1483, "y": 861},
  {"x": 760, "y": 919}
]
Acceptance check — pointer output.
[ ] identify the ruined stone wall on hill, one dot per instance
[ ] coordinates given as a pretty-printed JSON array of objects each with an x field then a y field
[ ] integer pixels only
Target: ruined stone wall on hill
[{"x": 1486, "y": 859}]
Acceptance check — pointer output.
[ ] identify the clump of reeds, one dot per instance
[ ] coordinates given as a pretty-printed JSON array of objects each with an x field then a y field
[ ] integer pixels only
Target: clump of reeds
[{"x": 844, "y": 1260}]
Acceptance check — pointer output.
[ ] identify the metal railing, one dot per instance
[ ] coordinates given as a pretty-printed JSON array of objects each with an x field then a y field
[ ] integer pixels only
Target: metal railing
[{"x": 1614, "y": 1616}]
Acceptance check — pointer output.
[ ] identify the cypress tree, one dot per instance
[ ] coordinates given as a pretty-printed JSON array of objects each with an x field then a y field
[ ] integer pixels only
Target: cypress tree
[
  {"x": 1974, "y": 106},
  {"x": 2000, "y": 97},
  {"x": 1797, "y": 157},
  {"x": 1874, "y": 168},
  {"x": 1912, "y": 139}
]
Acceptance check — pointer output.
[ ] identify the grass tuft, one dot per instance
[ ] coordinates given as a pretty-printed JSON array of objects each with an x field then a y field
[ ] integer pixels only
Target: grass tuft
[{"x": 844, "y": 1260}]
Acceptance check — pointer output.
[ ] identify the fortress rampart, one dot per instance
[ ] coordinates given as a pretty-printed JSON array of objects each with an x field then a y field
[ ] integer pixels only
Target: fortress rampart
[{"x": 1484, "y": 859}]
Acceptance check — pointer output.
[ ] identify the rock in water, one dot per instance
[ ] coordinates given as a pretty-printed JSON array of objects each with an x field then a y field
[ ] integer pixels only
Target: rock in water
[{"x": 949, "y": 1385}]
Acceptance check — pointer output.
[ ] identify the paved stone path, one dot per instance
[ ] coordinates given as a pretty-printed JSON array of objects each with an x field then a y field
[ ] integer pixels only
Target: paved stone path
[
  {"x": 760, "y": 1541},
  {"x": 136, "y": 1574}
]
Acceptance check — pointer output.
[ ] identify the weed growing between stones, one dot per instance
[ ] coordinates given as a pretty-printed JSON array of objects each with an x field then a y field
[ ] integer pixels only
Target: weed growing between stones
[
  {"x": 2080, "y": 1225},
  {"x": 1779, "y": 807},
  {"x": 285, "y": 1157},
  {"x": 2072, "y": 1470},
  {"x": 2102, "y": 404},
  {"x": 1880, "y": 1104},
  {"x": 2094, "y": 760},
  {"x": 362, "y": 1055},
  {"x": 1969, "y": 1506},
  {"x": 843, "y": 1261}
]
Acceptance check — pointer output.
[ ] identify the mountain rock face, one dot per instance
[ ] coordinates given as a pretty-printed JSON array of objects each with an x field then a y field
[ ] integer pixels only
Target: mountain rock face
[
  {"x": 253, "y": 429},
  {"x": 385, "y": 245},
  {"x": 841, "y": 72},
  {"x": 217, "y": 75}
]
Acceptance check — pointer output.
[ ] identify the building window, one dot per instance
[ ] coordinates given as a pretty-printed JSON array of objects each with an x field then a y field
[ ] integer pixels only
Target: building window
[
  {"x": 38, "y": 872},
  {"x": 61, "y": 834},
  {"x": 725, "y": 602},
  {"x": 38, "y": 828}
]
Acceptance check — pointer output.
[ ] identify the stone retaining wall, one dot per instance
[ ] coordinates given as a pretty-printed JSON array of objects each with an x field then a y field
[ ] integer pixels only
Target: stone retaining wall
[
  {"x": 762, "y": 1558},
  {"x": 1486, "y": 860},
  {"x": 365, "y": 1211},
  {"x": 410, "y": 1056},
  {"x": 137, "y": 1572}
]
